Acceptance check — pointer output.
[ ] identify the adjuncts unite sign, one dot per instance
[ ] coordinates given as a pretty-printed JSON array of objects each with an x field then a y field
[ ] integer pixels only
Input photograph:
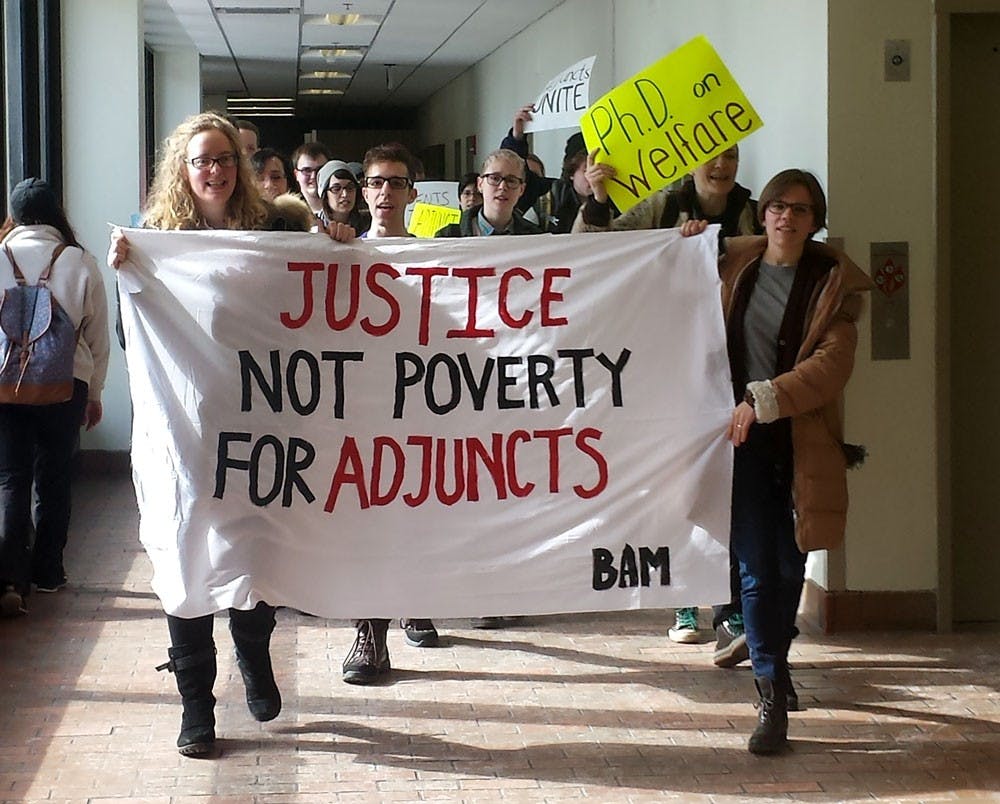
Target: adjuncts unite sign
[{"x": 441, "y": 428}]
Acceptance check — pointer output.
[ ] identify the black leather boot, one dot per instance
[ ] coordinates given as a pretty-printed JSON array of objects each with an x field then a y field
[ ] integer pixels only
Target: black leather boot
[
  {"x": 791, "y": 696},
  {"x": 252, "y": 638},
  {"x": 194, "y": 669},
  {"x": 368, "y": 658},
  {"x": 771, "y": 734}
]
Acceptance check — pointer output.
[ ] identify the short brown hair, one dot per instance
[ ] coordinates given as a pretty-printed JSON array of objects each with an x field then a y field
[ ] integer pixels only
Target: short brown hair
[
  {"x": 792, "y": 177},
  {"x": 389, "y": 152},
  {"x": 314, "y": 150}
]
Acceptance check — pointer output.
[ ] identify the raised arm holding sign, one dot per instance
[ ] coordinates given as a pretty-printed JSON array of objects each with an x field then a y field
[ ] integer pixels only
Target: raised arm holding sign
[{"x": 666, "y": 120}]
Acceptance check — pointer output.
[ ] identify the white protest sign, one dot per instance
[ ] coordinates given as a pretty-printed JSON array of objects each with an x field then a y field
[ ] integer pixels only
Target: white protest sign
[
  {"x": 429, "y": 428},
  {"x": 564, "y": 99}
]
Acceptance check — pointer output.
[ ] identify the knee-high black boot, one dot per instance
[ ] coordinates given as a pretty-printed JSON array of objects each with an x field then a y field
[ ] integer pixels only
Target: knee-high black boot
[
  {"x": 194, "y": 668},
  {"x": 771, "y": 734},
  {"x": 251, "y": 632}
]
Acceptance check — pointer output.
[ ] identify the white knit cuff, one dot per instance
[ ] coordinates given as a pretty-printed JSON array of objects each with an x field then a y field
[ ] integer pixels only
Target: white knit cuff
[{"x": 765, "y": 400}]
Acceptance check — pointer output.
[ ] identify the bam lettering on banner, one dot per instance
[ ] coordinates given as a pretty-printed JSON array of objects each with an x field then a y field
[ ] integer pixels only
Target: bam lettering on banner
[
  {"x": 437, "y": 428},
  {"x": 564, "y": 98},
  {"x": 666, "y": 120}
]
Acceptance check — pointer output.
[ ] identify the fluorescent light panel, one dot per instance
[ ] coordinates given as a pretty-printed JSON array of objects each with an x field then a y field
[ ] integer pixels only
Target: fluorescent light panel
[
  {"x": 334, "y": 52},
  {"x": 259, "y": 100},
  {"x": 282, "y": 10},
  {"x": 248, "y": 109},
  {"x": 342, "y": 19},
  {"x": 326, "y": 74}
]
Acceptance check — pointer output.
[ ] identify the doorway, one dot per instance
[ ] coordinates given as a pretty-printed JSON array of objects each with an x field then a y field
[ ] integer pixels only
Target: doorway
[{"x": 974, "y": 162}]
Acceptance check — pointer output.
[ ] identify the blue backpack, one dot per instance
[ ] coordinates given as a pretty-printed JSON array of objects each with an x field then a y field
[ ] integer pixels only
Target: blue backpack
[{"x": 37, "y": 342}]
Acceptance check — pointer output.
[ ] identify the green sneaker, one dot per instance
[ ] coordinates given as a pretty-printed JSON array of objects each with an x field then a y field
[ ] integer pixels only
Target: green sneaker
[{"x": 685, "y": 628}]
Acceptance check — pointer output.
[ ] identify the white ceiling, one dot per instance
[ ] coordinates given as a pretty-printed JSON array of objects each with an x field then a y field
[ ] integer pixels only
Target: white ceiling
[{"x": 261, "y": 48}]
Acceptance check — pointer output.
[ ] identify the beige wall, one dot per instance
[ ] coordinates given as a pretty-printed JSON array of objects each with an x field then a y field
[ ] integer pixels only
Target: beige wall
[{"x": 881, "y": 188}]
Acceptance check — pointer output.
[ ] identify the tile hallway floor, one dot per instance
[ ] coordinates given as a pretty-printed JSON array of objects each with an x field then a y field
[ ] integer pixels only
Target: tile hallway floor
[{"x": 598, "y": 708}]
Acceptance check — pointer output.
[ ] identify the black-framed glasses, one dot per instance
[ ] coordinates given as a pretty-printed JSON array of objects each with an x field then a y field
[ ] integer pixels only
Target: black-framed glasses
[
  {"x": 496, "y": 179},
  {"x": 226, "y": 160},
  {"x": 308, "y": 171},
  {"x": 778, "y": 207},
  {"x": 342, "y": 189},
  {"x": 395, "y": 182}
]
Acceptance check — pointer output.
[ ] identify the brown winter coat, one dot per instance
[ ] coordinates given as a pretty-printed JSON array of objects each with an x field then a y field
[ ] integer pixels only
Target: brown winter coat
[{"x": 811, "y": 393}]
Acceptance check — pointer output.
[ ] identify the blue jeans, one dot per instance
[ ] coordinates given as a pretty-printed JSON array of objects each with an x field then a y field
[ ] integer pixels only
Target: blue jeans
[{"x": 772, "y": 569}]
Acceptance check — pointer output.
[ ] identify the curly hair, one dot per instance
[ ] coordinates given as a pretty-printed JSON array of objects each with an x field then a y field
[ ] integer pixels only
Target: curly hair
[{"x": 171, "y": 204}]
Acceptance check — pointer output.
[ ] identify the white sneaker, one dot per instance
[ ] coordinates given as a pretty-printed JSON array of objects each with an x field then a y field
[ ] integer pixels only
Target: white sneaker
[{"x": 685, "y": 628}]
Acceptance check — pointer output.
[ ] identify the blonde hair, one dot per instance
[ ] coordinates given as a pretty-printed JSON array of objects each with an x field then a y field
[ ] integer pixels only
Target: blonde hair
[{"x": 171, "y": 205}]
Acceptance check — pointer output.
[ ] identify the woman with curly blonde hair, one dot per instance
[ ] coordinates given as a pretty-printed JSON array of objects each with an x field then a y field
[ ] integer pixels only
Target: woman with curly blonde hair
[
  {"x": 204, "y": 181},
  {"x": 175, "y": 202}
]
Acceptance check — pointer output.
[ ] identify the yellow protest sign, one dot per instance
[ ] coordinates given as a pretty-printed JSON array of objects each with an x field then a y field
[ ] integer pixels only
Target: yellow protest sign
[
  {"x": 666, "y": 120},
  {"x": 428, "y": 218}
]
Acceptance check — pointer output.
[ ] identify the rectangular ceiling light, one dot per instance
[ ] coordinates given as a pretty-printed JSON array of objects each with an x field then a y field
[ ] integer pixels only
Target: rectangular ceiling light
[
  {"x": 337, "y": 52},
  {"x": 342, "y": 19},
  {"x": 261, "y": 107},
  {"x": 323, "y": 74},
  {"x": 241, "y": 10},
  {"x": 321, "y": 92},
  {"x": 260, "y": 100}
]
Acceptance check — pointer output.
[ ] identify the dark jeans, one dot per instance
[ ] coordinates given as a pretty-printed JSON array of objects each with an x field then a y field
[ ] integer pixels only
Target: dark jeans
[
  {"x": 772, "y": 569},
  {"x": 37, "y": 443},
  {"x": 197, "y": 631}
]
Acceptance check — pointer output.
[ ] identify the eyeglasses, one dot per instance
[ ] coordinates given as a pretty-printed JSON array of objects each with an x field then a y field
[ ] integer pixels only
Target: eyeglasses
[
  {"x": 468, "y": 192},
  {"x": 395, "y": 182},
  {"x": 226, "y": 160},
  {"x": 341, "y": 189},
  {"x": 308, "y": 171},
  {"x": 496, "y": 179},
  {"x": 778, "y": 208}
]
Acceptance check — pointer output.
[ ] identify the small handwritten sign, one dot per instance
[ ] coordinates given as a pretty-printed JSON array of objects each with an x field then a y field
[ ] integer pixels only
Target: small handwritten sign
[
  {"x": 428, "y": 218},
  {"x": 564, "y": 98}
]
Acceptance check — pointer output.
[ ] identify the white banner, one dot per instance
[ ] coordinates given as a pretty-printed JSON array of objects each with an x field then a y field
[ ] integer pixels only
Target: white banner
[
  {"x": 443, "y": 428},
  {"x": 564, "y": 99}
]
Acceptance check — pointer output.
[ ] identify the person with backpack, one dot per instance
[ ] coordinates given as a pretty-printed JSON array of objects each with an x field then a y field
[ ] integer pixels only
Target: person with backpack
[
  {"x": 55, "y": 346},
  {"x": 709, "y": 193}
]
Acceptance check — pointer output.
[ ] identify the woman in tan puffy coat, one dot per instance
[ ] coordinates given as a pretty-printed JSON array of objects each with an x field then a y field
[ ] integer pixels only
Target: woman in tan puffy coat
[{"x": 791, "y": 307}]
